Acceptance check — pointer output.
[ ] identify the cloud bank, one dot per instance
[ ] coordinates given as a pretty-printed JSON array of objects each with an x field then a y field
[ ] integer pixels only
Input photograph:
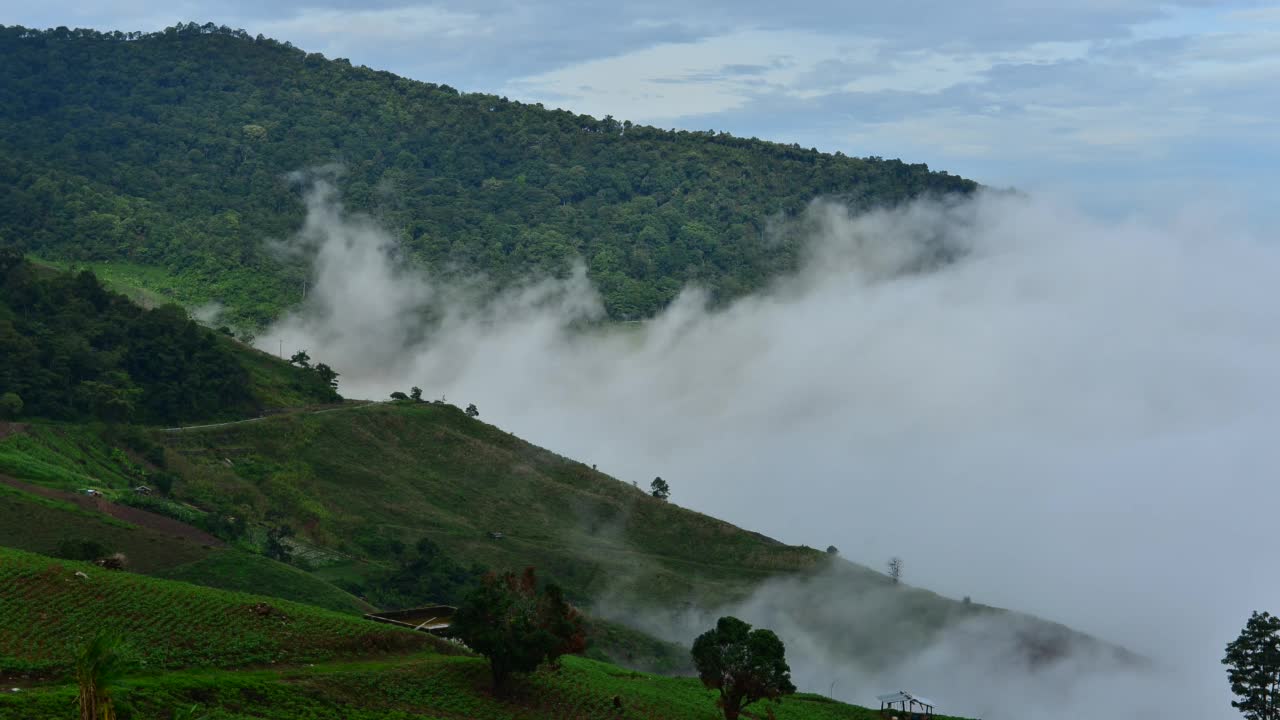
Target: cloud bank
[{"x": 1071, "y": 417}]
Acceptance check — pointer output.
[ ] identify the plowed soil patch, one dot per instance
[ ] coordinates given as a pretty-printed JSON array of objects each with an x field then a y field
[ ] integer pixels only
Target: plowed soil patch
[{"x": 131, "y": 515}]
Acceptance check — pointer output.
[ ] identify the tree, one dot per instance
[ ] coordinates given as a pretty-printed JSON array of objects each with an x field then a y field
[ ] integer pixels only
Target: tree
[
  {"x": 276, "y": 548},
  {"x": 427, "y": 574},
  {"x": 163, "y": 481},
  {"x": 73, "y": 350},
  {"x": 745, "y": 665},
  {"x": 660, "y": 489},
  {"x": 114, "y": 400},
  {"x": 10, "y": 405},
  {"x": 1253, "y": 668},
  {"x": 833, "y": 550},
  {"x": 327, "y": 375},
  {"x": 415, "y": 393},
  {"x": 472, "y": 411},
  {"x": 895, "y": 569},
  {"x": 517, "y": 628},
  {"x": 10, "y": 257},
  {"x": 98, "y": 667},
  {"x": 301, "y": 359},
  {"x": 397, "y": 395},
  {"x": 79, "y": 548}
]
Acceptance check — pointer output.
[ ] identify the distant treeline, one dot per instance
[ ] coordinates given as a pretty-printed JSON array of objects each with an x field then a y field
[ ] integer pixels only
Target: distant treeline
[
  {"x": 72, "y": 350},
  {"x": 170, "y": 149}
]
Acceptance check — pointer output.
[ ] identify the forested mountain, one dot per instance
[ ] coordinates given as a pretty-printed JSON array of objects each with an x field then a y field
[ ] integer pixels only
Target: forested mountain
[{"x": 170, "y": 149}]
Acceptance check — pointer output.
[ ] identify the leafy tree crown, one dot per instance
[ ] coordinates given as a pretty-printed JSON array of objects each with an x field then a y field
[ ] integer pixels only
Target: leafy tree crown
[
  {"x": 744, "y": 665},
  {"x": 1253, "y": 668}
]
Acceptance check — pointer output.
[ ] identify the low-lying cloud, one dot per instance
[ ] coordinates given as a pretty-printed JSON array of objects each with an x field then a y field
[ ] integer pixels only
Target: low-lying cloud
[{"x": 1048, "y": 412}]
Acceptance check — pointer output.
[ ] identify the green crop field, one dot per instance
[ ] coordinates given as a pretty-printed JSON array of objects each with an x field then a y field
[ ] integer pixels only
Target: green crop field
[
  {"x": 419, "y": 687},
  {"x": 38, "y": 524},
  {"x": 47, "y": 611},
  {"x": 230, "y": 660},
  {"x": 234, "y": 569}
]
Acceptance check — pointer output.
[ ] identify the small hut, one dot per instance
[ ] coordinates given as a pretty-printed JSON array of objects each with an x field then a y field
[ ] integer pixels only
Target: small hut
[{"x": 912, "y": 707}]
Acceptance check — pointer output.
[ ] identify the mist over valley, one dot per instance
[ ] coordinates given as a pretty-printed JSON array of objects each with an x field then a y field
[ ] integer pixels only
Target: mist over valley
[{"x": 328, "y": 389}]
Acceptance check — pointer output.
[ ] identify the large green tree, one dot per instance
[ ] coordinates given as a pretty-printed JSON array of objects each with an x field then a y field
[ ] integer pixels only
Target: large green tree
[
  {"x": 744, "y": 665},
  {"x": 516, "y": 626},
  {"x": 1253, "y": 667}
]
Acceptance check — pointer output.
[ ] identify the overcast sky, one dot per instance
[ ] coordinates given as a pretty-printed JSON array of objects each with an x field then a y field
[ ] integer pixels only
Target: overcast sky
[{"x": 1125, "y": 105}]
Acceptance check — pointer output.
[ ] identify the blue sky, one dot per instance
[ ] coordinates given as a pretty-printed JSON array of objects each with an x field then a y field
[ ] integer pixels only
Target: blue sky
[{"x": 1127, "y": 106}]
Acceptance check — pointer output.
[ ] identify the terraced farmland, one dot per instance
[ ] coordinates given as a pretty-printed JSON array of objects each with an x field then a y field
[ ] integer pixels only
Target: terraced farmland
[
  {"x": 47, "y": 611},
  {"x": 233, "y": 656},
  {"x": 430, "y": 687}
]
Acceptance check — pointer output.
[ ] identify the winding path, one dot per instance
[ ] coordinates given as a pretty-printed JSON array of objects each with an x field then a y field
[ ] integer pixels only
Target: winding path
[{"x": 183, "y": 428}]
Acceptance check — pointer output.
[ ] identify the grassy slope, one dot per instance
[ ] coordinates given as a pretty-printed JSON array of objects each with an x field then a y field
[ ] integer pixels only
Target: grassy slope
[
  {"x": 414, "y": 470},
  {"x": 234, "y": 569},
  {"x": 46, "y": 611},
  {"x": 406, "y": 471},
  {"x": 129, "y": 279},
  {"x": 275, "y": 384},
  {"x": 62, "y": 456}
]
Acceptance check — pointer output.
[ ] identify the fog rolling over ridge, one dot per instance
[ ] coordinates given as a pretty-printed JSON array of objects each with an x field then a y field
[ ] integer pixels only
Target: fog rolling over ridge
[{"x": 1073, "y": 418}]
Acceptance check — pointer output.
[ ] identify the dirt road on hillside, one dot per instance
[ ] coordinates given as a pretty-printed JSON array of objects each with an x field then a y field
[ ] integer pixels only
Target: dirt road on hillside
[{"x": 183, "y": 428}]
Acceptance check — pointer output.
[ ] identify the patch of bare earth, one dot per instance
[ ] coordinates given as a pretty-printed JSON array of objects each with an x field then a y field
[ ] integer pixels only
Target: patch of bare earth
[
  {"x": 131, "y": 515},
  {"x": 11, "y": 428}
]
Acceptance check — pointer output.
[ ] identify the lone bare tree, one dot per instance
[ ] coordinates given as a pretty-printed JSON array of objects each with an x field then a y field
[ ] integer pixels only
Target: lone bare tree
[{"x": 895, "y": 569}]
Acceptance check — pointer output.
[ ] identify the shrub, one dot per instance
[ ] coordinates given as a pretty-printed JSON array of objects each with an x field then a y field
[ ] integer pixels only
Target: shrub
[
  {"x": 81, "y": 549},
  {"x": 10, "y": 405}
]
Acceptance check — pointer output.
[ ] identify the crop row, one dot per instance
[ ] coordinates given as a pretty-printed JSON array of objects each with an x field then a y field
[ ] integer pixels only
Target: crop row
[{"x": 48, "y": 609}]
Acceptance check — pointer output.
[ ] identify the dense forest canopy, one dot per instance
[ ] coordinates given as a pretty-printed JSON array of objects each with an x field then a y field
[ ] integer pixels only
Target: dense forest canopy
[
  {"x": 72, "y": 350},
  {"x": 170, "y": 149}
]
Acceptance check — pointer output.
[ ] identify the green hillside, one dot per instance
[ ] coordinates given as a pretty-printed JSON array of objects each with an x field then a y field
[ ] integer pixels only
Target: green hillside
[
  {"x": 166, "y": 151},
  {"x": 235, "y": 569},
  {"x": 42, "y": 525},
  {"x": 346, "y": 506},
  {"x": 354, "y": 492},
  {"x": 324, "y": 665},
  {"x": 358, "y": 480}
]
